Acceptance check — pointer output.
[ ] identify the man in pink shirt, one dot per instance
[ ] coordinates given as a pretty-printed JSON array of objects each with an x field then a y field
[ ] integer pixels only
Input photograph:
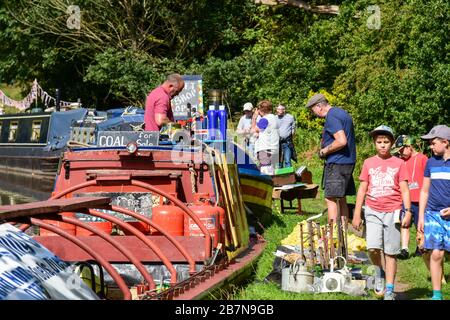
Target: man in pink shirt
[
  {"x": 157, "y": 106},
  {"x": 384, "y": 185}
]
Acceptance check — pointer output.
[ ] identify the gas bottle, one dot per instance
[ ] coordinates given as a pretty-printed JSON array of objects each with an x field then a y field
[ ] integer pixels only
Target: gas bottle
[
  {"x": 170, "y": 217},
  {"x": 67, "y": 227},
  {"x": 212, "y": 122},
  {"x": 100, "y": 224},
  {"x": 209, "y": 216},
  {"x": 141, "y": 226},
  {"x": 222, "y": 115}
]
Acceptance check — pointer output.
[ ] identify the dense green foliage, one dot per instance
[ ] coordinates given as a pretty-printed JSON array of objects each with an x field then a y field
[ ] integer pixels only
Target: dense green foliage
[{"x": 396, "y": 73}]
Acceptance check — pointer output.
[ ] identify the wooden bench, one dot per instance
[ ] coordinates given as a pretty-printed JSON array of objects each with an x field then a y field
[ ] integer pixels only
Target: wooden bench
[
  {"x": 299, "y": 192},
  {"x": 12, "y": 212}
]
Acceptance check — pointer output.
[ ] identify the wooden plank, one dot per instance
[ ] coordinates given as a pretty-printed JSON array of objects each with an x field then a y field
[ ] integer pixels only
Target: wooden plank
[{"x": 51, "y": 206}]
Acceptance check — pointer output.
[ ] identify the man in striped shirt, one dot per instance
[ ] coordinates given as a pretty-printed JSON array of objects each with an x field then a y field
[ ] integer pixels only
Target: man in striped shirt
[{"x": 434, "y": 204}]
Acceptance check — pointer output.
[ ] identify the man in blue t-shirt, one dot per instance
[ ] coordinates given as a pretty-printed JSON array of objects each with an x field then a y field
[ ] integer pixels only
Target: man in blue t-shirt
[
  {"x": 339, "y": 151},
  {"x": 434, "y": 204}
]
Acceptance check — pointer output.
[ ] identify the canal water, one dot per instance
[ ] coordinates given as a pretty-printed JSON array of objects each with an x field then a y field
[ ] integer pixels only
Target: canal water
[{"x": 8, "y": 197}]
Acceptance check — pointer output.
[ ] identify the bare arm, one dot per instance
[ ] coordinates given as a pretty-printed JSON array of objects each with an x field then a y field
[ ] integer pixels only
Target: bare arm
[
  {"x": 161, "y": 118},
  {"x": 423, "y": 202},
  {"x": 294, "y": 128},
  {"x": 340, "y": 141},
  {"x": 406, "y": 202},
  {"x": 254, "y": 127},
  {"x": 359, "y": 202}
]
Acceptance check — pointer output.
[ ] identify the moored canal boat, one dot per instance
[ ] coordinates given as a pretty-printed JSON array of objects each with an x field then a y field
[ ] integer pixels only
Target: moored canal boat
[
  {"x": 178, "y": 210},
  {"x": 29, "y": 154}
]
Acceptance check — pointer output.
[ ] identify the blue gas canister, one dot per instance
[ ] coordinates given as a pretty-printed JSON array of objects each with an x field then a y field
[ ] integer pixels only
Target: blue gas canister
[
  {"x": 212, "y": 123},
  {"x": 222, "y": 115}
]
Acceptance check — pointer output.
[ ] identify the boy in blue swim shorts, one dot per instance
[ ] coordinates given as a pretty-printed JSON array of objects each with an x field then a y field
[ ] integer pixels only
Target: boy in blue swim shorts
[{"x": 434, "y": 204}]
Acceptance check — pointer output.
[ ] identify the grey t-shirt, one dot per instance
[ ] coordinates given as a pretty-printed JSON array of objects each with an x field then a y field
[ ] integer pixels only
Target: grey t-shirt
[{"x": 286, "y": 125}]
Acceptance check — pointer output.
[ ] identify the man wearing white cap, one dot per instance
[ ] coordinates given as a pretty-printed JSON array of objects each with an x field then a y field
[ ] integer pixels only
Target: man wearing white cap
[{"x": 244, "y": 128}]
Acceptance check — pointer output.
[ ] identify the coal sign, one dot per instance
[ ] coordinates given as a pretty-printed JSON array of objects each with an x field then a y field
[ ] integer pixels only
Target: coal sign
[{"x": 122, "y": 138}]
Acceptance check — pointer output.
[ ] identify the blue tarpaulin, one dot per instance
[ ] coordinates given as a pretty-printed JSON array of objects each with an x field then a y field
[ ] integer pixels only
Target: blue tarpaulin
[
  {"x": 59, "y": 130},
  {"x": 123, "y": 119}
]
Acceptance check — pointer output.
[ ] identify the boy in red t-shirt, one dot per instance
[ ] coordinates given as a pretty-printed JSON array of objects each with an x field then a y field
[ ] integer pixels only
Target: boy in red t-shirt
[
  {"x": 415, "y": 164},
  {"x": 384, "y": 185}
]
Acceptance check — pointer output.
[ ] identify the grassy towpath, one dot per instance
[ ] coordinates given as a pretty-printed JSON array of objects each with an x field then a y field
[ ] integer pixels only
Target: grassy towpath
[
  {"x": 414, "y": 273},
  {"x": 412, "y": 281}
]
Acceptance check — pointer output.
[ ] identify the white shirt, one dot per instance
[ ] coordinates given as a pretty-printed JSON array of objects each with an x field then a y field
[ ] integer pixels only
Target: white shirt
[{"x": 268, "y": 139}]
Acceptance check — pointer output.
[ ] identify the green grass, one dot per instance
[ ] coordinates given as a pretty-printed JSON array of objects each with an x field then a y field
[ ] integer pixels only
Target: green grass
[
  {"x": 414, "y": 272},
  {"x": 13, "y": 92},
  {"x": 282, "y": 226},
  {"x": 261, "y": 290}
]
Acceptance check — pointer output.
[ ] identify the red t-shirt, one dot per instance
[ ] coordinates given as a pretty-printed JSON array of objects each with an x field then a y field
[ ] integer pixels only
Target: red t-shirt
[
  {"x": 416, "y": 167},
  {"x": 383, "y": 177},
  {"x": 158, "y": 101}
]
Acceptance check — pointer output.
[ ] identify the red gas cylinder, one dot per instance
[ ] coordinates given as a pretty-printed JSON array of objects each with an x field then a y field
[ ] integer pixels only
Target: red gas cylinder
[
  {"x": 170, "y": 217},
  {"x": 209, "y": 216},
  {"x": 105, "y": 226},
  {"x": 67, "y": 227},
  {"x": 141, "y": 226}
]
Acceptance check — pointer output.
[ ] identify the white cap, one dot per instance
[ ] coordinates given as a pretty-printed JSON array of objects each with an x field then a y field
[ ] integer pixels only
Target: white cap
[{"x": 248, "y": 106}]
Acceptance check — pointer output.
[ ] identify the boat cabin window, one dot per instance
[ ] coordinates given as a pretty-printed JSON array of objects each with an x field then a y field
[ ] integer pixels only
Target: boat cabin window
[
  {"x": 13, "y": 128},
  {"x": 36, "y": 130}
]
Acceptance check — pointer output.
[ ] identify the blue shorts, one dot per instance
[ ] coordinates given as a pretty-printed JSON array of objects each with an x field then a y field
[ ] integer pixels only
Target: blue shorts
[{"x": 437, "y": 231}]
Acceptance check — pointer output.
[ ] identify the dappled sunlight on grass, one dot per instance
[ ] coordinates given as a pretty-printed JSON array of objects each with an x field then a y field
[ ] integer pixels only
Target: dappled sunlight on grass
[{"x": 414, "y": 272}]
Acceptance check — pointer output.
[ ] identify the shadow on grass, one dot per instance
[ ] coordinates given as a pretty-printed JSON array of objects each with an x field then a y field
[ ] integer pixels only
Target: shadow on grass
[
  {"x": 417, "y": 293},
  {"x": 276, "y": 220},
  {"x": 294, "y": 212}
]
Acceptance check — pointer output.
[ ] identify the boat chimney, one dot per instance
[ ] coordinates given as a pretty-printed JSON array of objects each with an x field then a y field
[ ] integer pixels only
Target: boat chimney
[{"x": 58, "y": 100}]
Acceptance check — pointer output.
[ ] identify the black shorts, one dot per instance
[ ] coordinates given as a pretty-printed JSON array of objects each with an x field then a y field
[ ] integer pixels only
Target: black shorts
[{"x": 338, "y": 180}]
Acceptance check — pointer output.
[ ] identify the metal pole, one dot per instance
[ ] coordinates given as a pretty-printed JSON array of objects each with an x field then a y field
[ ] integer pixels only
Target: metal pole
[{"x": 58, "y": 99}]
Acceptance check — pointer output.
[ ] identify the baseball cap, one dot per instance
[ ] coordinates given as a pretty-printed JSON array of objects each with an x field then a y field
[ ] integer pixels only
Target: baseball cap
[
  {"x": 439, "y": 131},
  {"x": 315, "y": 99},
  {"x": 248, "y": 106},
  {"x": 403, "y": 141},
  {"x": 382, "y": 130}
]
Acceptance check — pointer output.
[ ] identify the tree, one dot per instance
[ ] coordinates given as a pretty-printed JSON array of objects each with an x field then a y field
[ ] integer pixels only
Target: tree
[
  {"x": 73, "y": 42},
  {"x": 330, "y": 9}
]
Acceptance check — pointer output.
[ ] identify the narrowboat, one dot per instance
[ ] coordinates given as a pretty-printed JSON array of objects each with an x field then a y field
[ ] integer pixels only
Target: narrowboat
[
  {"x": 30, "y": 148},
  {"x": 172, "y": 225}
]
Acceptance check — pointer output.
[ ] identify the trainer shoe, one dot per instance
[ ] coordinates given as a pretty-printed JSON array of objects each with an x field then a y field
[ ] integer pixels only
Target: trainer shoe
[
  {"x": 404, "y": 254},
  {"x": 435, "y": 298},
  {"x": 389, "y": 295}
]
